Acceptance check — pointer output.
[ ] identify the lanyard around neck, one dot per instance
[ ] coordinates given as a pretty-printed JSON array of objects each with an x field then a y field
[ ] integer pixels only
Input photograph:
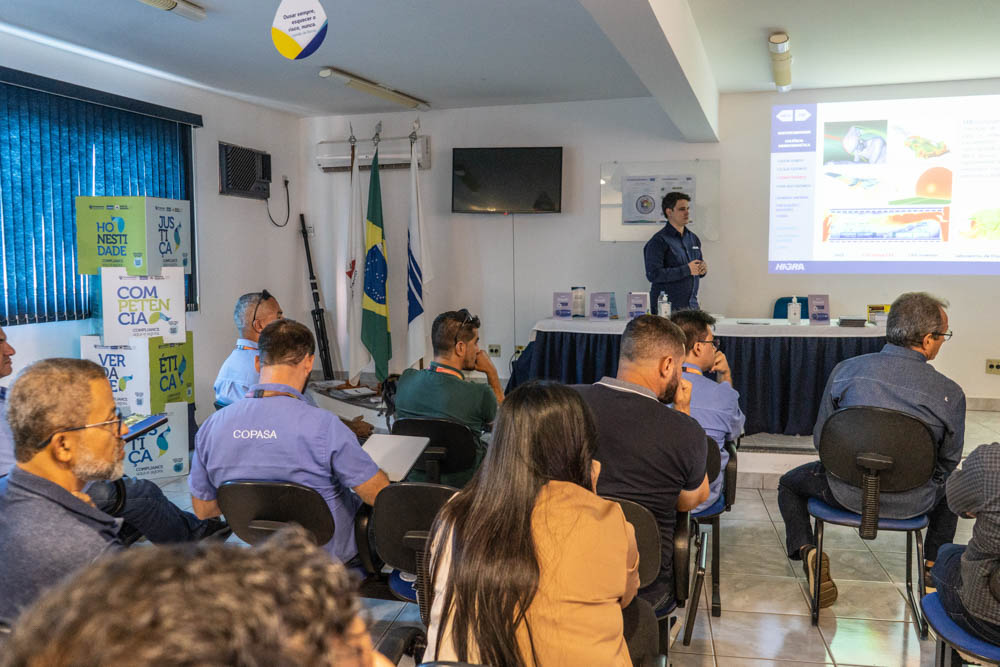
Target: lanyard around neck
[
  {"x": 270, "y": 393},
  {"x": 449, "y": 371}
]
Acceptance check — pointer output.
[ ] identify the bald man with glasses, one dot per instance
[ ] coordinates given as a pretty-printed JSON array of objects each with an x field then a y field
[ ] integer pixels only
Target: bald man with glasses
[
  {"x": 253, "y": 312},
  {"x": 67, "y": 433}
]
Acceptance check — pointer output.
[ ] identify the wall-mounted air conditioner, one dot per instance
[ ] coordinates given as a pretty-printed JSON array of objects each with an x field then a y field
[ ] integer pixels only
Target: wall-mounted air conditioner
[{"x": 393, "y": 153}]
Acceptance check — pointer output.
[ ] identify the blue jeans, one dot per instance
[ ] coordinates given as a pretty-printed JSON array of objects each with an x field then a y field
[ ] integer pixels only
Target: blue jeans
[
  {"x": 947, "y": 575},
  {"x": 148, "y": 511},
  {"x": 807, "y": 481}
]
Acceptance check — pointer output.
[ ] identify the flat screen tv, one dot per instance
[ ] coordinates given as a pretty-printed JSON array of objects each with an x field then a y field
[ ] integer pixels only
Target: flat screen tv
[{"x": 506, "y": 180}]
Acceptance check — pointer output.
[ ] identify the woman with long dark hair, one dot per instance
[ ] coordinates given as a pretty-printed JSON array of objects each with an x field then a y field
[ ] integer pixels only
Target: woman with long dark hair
[{"x": 530, "y": 566}]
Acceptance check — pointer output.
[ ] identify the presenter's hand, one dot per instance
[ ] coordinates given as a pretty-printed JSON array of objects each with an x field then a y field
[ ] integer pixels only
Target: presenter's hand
[
  {"x": 694, "y": 266},
  {"x": 484, "y": 364},
  {"x": 721, "y": 367},
  {"x": 704, "y": 267},
  {"x": 682, "y": 399}
]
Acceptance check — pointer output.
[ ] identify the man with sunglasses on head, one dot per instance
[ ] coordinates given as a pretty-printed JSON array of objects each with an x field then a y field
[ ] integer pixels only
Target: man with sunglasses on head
[
  {"x": 67, "y": 432},
  {"x": 442, "y": 392},
  {"x": 714, "y": 403},
  {"x": 253, "y": 312},
  {"x": 898, "y": 378}
]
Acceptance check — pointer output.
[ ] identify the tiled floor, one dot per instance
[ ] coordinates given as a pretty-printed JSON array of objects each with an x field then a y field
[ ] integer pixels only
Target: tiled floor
[{"x": 765, "y": 618}]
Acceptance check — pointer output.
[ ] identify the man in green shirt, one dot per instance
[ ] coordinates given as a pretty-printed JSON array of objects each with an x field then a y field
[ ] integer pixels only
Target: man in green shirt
[{"x": 442, "y": 392}]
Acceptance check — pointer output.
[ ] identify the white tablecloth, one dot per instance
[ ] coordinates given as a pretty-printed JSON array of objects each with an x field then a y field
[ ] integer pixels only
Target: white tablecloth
[{"x": 754, "y": 327}]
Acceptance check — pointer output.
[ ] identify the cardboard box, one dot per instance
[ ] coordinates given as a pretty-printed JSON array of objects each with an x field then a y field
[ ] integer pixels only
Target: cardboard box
[{"x": 139, "y": 234}]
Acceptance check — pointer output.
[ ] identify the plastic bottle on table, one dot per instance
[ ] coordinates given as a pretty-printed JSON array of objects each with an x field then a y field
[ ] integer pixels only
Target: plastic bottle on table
[
  {"x": 794, "y": 311},
  {"x": 663, "y": 305}
]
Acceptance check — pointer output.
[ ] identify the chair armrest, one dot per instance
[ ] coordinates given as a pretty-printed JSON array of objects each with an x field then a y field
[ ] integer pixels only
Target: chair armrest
[
  {"x": 434, "y": 454},
  {"x": 729, "y": 481},
  {"x": 362, "y": 528},
  {"x": 682, "y": 561}
]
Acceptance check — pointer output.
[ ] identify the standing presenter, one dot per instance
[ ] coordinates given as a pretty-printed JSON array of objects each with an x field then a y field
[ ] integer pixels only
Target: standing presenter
[{"x": 673, "y": 257}]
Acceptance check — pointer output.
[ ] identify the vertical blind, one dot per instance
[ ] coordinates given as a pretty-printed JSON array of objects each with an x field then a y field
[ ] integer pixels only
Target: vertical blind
[{"x": 53, "y": 149}]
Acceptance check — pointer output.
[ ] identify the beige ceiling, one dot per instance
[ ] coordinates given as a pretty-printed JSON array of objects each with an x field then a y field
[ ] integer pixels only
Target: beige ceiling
[{"x": 850, "y": 42}]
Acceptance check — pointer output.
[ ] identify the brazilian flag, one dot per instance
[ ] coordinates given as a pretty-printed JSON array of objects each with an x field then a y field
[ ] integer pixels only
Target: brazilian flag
[{"x": 375, "y": 307}]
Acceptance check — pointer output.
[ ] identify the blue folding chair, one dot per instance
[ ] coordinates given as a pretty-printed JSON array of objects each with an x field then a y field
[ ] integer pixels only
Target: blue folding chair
[
  {"x": 879, "y": 451},
  {"x": 701, "y": 523},
  {"x": 952, "y": 640}
]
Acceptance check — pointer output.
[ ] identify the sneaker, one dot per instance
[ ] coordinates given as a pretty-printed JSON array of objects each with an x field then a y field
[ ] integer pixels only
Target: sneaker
[
  {"x": 216, "y": 530},
  {"x": 827, "y": 589}
]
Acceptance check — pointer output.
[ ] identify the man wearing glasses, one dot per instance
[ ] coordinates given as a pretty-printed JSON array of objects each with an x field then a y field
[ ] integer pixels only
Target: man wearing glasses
[
  {"x": 253, "y": 312},
  {"x": 714, "y": 403},
  {"x": 899, "y": 378},
  {"x": 67, "y": 432},
  {"x": 442, "y": 392}
]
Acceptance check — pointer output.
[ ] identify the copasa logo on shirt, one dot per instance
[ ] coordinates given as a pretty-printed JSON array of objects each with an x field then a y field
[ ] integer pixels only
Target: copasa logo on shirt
[{"x": 254, "y": 434}]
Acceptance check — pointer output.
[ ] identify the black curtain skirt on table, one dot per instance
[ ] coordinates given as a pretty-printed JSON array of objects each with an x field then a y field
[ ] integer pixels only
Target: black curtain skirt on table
[{"x": 780, "y": 379}]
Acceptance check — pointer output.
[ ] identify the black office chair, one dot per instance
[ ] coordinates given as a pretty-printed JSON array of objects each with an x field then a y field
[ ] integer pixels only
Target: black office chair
[
  {"x": 219, "y": 405},
  {"x": 879, "y": 451},
  {"x": 647, "y": 539},
  {"x": 403, "y": 516},
  {"x": 701, "y": 523},
  {"x": 256, "y": 509},
  {"x": 452, "y": 446}
]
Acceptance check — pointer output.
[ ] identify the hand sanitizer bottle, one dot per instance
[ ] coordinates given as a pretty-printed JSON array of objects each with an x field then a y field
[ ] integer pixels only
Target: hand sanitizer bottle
[
  {"x": 663, "y": 305},
  {"x": 794, "y": 311}
]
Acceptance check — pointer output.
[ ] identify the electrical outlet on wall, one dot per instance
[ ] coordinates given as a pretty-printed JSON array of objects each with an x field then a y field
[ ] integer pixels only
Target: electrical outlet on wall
[
  {"x": 993, "y": 366},
  {"x": 493, "y": 350}
]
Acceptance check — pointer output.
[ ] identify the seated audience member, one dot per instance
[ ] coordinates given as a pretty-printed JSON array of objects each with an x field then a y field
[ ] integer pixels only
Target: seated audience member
[
  {"x": 274, "y": 434},
  {"x": 67, "y": 432},
  {"x": 962, "y": 573},
  {"x": 253, "y": 312},
  {"x": 650, "y": 453},
  {"x": 530, "y": 566},
  {"x": 146, "y": 510},
  {"x": 282, "y": 603},
  {"x": 898, "y": 377},
  {"x": 442, "y": 392},
  {"x": 714, "y": 405}
]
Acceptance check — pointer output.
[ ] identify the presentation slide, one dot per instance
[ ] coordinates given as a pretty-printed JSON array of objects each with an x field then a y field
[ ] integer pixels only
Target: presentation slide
[{"x": 894, "y": 186}]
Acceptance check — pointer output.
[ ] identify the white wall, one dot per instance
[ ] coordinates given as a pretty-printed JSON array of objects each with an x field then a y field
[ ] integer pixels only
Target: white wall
[
  {"x": 478, "y": 258},
  {"x": 238, "y": 248}
]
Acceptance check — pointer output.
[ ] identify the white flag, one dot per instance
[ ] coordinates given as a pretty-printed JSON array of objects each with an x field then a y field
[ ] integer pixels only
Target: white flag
[
  {"x": 357, "y": 352},
  {"x": 418, "y": 271}
]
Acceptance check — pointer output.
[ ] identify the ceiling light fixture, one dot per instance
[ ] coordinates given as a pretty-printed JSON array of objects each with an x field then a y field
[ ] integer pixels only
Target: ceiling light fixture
[
  {"x": 781, "y": 61},
  {"x": 188, "y": 10},
  {"x": 378, "y": 90}
]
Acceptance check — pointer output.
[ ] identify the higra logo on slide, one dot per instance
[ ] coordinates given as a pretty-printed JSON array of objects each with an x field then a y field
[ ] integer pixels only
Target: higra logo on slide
[
  {"x": 789, "y": 266},
  {"x": 254, "y": 434}
]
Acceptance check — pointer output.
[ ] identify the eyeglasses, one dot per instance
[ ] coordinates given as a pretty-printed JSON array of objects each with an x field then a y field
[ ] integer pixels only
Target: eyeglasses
[
  {"x": 945, "y": 334},
  {"x": 264, "y": 296},
  {"x": 467, "y": 318},
  {"x": 714, "y": 342},
  {"x": 117, "y": 420}
]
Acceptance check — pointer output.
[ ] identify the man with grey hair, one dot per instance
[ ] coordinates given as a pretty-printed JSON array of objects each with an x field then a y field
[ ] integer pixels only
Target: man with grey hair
[
  {"x": 253, "y": 312},
  {"x": 285, "y": 602},
  {"x": 650, "y": 453},
  {"x": 898, "y": 378},
  {"x": 67, "y": 432}
]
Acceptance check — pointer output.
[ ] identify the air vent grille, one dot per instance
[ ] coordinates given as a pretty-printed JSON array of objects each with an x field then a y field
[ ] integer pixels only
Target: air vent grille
[{"x": 244, "y": 172}]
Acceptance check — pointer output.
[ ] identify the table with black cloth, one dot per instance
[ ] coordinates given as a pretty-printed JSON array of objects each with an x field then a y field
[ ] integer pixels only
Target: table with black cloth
[{"x": 779, "y": 369}]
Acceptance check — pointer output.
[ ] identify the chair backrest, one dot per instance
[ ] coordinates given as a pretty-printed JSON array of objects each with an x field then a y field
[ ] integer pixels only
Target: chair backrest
[
  {"x": 255, "y": 509},
  {"x": 877, "y": 450},
  {"x": 403, "y": 516},
  {"x": 729, "y": 480},
  {"x": 647, "y": 538},
  {"x": 853, "y": 432},
  {"x": 457, "y": 440},
  {"x": 781, "y": 307}
]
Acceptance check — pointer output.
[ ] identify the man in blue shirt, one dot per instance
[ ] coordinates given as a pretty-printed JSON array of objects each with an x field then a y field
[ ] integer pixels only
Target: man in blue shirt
[
  {"x": 253, "y": 312},
  {"x": 674, "y": 262},
  {"x": 714, "y": 405},
  {"x": 274, "y": 434},
  {"x": 146, "y": 511},
  {"x": 67, "y": 432},
  {"x": 898, "y": 378}
]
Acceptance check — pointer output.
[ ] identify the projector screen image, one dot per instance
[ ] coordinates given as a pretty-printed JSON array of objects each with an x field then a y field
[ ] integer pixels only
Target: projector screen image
[{"x": 894, "y": 186}]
